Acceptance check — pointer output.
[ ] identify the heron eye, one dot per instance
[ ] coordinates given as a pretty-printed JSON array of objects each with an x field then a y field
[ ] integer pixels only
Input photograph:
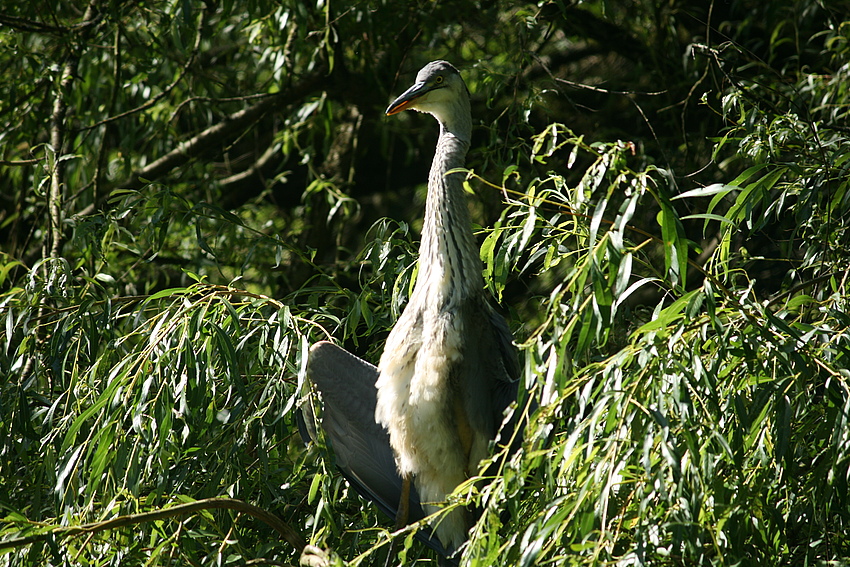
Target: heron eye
[{"x": 438, "y": 80}]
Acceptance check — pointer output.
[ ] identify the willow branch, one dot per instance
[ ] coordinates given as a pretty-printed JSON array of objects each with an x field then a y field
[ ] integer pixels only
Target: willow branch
[{"x": 286, "y": 532}]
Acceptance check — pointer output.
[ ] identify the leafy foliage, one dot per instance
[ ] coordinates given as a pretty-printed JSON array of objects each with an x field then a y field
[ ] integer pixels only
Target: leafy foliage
[{"x": 196, "y": 196}]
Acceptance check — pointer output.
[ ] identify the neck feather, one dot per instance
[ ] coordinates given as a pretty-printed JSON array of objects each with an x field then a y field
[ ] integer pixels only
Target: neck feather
[{"x": 449, "y": 266}]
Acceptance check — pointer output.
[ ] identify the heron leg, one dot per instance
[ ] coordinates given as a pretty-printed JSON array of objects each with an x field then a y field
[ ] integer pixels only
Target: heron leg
[
  {"x": 401, "y": 517},
  {"x": 403, "y": 504}
]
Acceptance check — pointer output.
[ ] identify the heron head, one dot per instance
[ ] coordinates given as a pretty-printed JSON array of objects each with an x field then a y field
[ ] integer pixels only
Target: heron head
[{"x": 440, "y": 91}]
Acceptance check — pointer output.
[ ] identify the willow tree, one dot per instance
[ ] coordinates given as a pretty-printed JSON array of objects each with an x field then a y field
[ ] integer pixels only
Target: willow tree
[{"x": 194, "y": 194}]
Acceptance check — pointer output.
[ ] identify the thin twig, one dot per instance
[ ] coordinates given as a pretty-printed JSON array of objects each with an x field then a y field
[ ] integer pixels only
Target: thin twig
[{"x": 604, "y": 91}]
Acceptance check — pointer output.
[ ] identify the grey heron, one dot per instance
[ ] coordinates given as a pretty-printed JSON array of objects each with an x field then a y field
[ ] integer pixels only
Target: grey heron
[{"x": 448, "y": 373}]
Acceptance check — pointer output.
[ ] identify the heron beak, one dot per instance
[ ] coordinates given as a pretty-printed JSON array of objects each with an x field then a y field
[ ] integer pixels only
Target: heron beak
[{"x": 407, "y": 98}]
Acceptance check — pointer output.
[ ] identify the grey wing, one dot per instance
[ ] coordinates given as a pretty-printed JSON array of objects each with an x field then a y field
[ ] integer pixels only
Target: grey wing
[
  {"x": 506, "y": 385},
  {"x": 504, "y": 392},
  {"x": 361, "y": 445},
  {"x": 505, "y": 344},
  {"x": 487, "y": 373}
]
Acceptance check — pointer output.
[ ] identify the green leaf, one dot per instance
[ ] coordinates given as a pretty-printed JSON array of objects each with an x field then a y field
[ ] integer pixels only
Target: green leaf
[
  {"x": 675, "y": 246},
  {"x": 713, "y": 189}
]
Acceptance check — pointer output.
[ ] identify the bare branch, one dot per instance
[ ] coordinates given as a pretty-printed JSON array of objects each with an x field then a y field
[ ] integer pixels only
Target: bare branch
[
  {"x": 53, "y": 242},
  {"x": 285, "y": 530},
  {"x": 228, "y": 128},
  {"x": 32, "y": 26}
]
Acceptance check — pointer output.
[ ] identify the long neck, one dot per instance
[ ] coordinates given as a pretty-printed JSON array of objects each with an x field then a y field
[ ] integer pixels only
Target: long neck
[{"x": 449, "y": 266}]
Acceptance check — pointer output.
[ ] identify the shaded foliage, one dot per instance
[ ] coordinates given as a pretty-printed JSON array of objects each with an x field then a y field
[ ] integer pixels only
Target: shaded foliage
[{"x": 198, "y": 192}]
